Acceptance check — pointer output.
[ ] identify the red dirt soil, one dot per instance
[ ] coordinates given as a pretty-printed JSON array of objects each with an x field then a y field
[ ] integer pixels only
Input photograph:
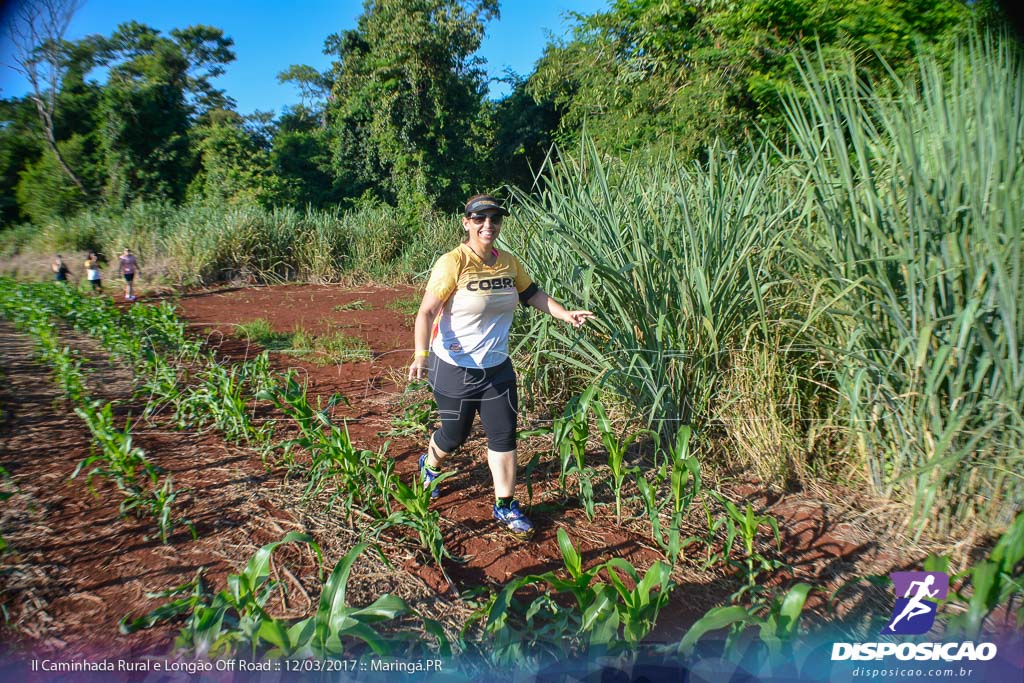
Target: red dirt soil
[{"x": 77, "y": 567}]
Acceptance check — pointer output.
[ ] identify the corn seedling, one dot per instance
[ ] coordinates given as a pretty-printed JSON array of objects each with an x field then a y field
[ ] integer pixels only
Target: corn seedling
[
  {"x": 685, "y": 479},
  {"x": 334, "y": 459},
  {"x": 570, "y": 433},
  {"x": 776, "y": 621},
  {"x": 616, "y": 453},
  {"x": 235, "y": 621},
  {"x": 160, "y": 384},
  {"x": 219, "y": 398},
  {"x": 292, "y": 400},
  {"x": 223, "y": 624},
  {"x": 159, "y": 502},
  {"x": 994, "y": 582},
  {"x": 607, "y": 614},
  {"x": 67, "y": 368},
  {"x": 745, "y": 525},
  {"x": 669, "y": 539},
  {"x": 417, "y": 417},
  {"x": 417, "y": 515},
  {"x": 117, "y": 459},
  {"x": 258, "y": 374},
  {"x": 684, "y": 483},
  {"x": 112, "y": 449}
]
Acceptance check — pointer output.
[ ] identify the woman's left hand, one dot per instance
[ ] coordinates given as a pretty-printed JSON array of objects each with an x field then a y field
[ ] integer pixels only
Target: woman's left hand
[{"x": 577, "y": 318}]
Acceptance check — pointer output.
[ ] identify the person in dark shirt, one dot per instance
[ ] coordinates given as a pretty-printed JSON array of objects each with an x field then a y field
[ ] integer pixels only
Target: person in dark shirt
[{"x": 60, "y": 269}]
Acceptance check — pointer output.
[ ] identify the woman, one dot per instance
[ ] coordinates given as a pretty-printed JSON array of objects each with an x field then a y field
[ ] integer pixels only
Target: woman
[
  {"x": 475, "y": 289},
  {"x": 60, "y": 269},
  {"x": 92, "y": 271},
  {"x": 128, "y": 266}
]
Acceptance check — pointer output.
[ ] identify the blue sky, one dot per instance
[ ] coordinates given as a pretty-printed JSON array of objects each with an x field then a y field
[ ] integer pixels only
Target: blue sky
[{"x": 271, "y": 35}]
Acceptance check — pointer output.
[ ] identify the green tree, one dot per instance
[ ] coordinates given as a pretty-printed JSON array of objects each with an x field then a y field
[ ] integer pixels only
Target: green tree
[
  {"x": 19, "y": 147},
  {"x": 407, "y": 98},
  {"x": 44, "y": 191},
  {"x": 687, "y": 72},
  {"x": 35, "y": 173},
  {"x": 301, "y": 164},
  {"x": 233, "y": 161},
  {"x": 156, "y": 89},
  {"x": 523, "y": 131},
  {"x": 314, "y": 87}
]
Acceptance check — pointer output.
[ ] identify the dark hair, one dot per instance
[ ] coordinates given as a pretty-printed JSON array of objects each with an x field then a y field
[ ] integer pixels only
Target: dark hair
[{"x": 465, "y": 233}]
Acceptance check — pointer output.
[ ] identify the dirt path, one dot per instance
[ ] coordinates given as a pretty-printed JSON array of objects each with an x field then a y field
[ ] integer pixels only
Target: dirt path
[
  {"x": 76, "y": 567},
  {"x": 821, "y": 544}
]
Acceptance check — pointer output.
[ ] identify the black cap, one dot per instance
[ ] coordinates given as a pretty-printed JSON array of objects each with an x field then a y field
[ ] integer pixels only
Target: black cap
[{"x": 484, "y": 202}]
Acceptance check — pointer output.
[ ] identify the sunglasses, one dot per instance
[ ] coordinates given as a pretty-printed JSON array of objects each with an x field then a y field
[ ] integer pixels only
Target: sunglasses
[{"x": 479, "y": 218}]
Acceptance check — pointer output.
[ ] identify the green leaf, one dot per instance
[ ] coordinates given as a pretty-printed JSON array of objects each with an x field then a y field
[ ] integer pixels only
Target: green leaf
[
  {"x": 258, "y": 567},
  {"x": 385, "y": 607},
  {"x": 715, "y": 619},
  {"x": 332, "y": 607},
  {"x": 793, "y": 606},
  {"x": 572, "y": 559},
  {"x": 276, "y": 633},
  {"x": 600, "y": 618}
]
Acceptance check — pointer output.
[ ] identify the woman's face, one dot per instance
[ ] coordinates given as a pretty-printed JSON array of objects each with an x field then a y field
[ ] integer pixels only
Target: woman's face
[{"x": 483, "y": 227}]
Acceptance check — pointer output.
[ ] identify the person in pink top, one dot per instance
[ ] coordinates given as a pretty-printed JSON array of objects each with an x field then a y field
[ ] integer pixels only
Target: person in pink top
[{"x": 128, "y": 267}]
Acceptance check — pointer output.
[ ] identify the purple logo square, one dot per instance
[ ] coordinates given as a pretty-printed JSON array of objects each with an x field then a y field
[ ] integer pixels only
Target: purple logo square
[{"x": 917, "y": 594}]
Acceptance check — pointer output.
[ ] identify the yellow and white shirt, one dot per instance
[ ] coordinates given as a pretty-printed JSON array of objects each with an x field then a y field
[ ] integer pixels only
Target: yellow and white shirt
[{"x": 479, "y": 303}]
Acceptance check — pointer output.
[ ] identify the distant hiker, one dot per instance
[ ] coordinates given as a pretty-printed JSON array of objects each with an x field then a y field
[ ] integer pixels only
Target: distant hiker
[
  {"x": 470, "y": 298},
  {"x": 92, "y": 272},
  {"x": 60, "y": 269},
  {"x": 128, "y": 267}
]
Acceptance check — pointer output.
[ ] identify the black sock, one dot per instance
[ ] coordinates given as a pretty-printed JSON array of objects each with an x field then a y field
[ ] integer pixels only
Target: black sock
[{"x": 504, "y": 502}]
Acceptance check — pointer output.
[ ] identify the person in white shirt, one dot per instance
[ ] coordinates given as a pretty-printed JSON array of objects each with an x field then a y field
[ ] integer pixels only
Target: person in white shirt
[
  {"x": 471, "y": 295},
  {"x": 92, "y": 272}
]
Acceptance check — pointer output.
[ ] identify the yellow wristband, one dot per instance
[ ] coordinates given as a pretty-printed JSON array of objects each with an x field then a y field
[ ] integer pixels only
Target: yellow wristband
[{"x": 423, "y": 354}]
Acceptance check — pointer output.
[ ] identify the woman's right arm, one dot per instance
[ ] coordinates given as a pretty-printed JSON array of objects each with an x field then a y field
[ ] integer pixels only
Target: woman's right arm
[{"x": 429, "y": 308}]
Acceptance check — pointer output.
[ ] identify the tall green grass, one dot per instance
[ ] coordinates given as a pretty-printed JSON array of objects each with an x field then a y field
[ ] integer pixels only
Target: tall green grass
[
  {"x": 201, "y": 244},
  {"x": 371, "y": 242},
  {"x": 678, "y": 261},
  {"x": 870, "y": 275},
  {"x": 918, "y": 212}
]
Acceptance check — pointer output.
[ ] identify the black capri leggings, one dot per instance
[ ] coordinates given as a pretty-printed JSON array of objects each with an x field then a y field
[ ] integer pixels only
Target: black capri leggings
[{"x": 498, "y": 408}]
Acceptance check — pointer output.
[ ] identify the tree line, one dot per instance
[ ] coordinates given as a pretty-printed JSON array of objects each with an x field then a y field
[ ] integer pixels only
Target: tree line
[{"x": 402, "y": 116}]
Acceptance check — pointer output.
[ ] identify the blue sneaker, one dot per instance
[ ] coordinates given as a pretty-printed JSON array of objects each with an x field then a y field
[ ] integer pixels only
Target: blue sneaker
[
  {"x": 428, "y": 476},
  {"x": 513, "y": 519}
]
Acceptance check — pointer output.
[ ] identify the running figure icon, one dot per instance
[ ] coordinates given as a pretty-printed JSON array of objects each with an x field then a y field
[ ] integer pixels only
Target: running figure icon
[
  {"x": 917, "y": 596},
  {"x": 916, "y": 607}
]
